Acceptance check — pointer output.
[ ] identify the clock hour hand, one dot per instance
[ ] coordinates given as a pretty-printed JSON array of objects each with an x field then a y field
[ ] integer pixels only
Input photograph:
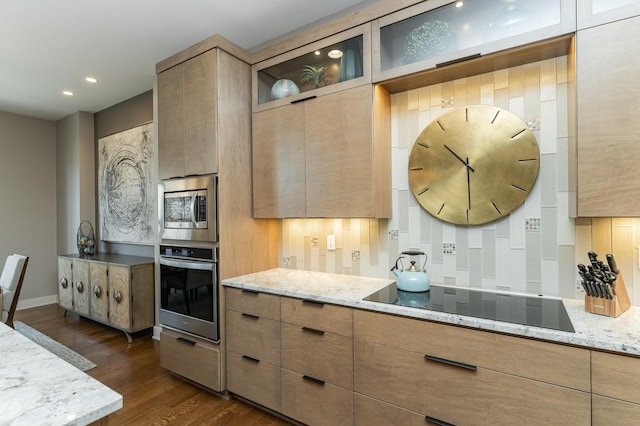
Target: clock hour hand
[{"x": 466, "y": 163}]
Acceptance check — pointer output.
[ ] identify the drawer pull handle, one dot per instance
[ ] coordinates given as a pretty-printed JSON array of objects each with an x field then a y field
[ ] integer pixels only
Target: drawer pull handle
[
  {"x": 248, "y": 358},
  {"x": 437, "y": 421},
  {"x": 314, "y": 380},
  {"x": 457, "y": 61},
  {"x": 302, "y": 100},
  {"x": 313, "y": 330},
  {"x": 186, "y": 341},
  {"x": 313, "y": 302},
  {"x": 449, "y": 362},
  {"x": 246, "y": 290},
  {"x": 255, "y": 317}
]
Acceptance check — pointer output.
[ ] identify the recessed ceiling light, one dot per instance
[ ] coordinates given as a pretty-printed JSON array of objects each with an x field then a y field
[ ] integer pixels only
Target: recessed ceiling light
[
  {"x": 67, "y": 92},
  {"x": 317, "y": 52},
  {"x": 459, "y": 4},
  {"x": 335, "y": 54},
  {"x": 91, "y": 80}
]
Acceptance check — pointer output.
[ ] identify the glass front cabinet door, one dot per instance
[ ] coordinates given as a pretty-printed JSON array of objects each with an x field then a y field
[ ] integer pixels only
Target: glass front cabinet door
[
  {"x": 436, "y": 33},
  {"x": 598, "y": 12},
  {"x": 335, "y": 63}
]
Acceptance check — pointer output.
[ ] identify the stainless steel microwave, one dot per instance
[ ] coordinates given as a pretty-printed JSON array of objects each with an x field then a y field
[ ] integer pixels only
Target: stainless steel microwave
[{"x": 187, "y": 208}]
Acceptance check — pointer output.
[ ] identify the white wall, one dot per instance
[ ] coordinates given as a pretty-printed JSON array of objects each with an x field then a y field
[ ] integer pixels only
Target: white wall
[{"x": 28, "y": 201}]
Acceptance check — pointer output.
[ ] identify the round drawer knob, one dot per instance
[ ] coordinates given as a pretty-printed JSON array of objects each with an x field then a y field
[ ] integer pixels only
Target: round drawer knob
[
  {"x": 97, "y": 291},
  {"x": 117, "y": 296},
  {"x": 79, "y": 286},
  {"x": 64, "y": 283}
]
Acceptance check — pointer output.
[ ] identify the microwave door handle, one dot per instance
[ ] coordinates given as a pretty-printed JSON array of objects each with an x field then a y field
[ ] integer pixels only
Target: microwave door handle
[{"x": 193, "y": 209}]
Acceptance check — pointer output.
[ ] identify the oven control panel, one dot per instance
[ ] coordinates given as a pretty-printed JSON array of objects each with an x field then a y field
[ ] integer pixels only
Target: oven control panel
[{"x": 183, "y": 252}]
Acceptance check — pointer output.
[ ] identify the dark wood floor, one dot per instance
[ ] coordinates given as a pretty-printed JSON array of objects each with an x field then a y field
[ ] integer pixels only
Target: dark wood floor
[{"x": 151, "y": 395}]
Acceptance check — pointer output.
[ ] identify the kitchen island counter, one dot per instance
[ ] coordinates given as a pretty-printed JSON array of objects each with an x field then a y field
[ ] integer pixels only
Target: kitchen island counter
[
  {"x": 592, "y": 331},
  {"x": 37, "y": 387}
]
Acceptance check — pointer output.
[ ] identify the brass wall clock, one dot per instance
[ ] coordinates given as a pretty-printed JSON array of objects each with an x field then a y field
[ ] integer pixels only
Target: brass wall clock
[{"x": 473, "y": 165}]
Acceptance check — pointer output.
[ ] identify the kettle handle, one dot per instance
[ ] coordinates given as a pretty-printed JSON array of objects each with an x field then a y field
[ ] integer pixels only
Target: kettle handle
[
  {"x": 415, "y": 253},
  {"x": 398, "y": 260}
]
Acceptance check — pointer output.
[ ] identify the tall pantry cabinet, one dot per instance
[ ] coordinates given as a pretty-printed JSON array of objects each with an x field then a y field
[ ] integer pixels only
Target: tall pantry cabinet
[{"x": 204, "y": 127}]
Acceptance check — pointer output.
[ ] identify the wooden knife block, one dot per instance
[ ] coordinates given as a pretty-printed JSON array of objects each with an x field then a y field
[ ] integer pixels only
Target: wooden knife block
[{"x": 611, "y": 308}]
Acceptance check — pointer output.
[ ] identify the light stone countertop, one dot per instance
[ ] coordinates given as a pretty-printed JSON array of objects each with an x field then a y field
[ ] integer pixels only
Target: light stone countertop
[
  {"x": 39, "y": 388},
  {"x": 593, "y": 331}
]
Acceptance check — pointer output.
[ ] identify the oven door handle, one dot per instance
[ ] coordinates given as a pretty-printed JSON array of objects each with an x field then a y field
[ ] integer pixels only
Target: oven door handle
[
  {"x": 202, "y": 266},
  {"x": 193, "y": 209}
]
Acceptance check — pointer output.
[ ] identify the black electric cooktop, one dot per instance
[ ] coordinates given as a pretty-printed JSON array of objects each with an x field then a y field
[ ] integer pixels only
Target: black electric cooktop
[{"x": 527, "y": 310}]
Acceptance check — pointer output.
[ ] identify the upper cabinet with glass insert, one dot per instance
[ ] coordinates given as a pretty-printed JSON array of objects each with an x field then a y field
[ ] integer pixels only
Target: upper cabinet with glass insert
[
  {"x": 335, "y": 63},
  {"x": 436, "y": 33},
  {"x": 598, "y": 12}
]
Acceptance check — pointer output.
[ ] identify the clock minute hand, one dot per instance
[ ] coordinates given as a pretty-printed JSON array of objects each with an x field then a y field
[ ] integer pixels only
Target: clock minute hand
[{"x": 466, "y": 163}]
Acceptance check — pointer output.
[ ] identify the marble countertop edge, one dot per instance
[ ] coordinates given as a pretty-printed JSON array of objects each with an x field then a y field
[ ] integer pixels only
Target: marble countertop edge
[{"x": 592, "y": 331}]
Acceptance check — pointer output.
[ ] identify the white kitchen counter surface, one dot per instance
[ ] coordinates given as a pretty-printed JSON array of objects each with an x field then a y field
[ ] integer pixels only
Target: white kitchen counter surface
[
  {"x": 620, "y": 334},
  {"x": 38, "y": 388}
]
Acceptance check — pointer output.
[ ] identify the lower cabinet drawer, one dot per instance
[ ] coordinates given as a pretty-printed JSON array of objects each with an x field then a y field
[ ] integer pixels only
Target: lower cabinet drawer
[
  {"x": 369, "y": 411},
  {"x": 190, "y": 357},
  {"x": 252, "y": 335},
  {"x": 325, "y": 356},
  {"x": 615, "y": 376},
  {"x": 256, "y": 380},
  {"x": 613, "y": 412},
  {"x": 315, "y": 403},
  {"x": 462, "y": 394}
]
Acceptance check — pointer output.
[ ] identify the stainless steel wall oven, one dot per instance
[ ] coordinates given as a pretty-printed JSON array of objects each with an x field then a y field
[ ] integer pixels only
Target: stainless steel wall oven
[{"x": 189, "y": 290}]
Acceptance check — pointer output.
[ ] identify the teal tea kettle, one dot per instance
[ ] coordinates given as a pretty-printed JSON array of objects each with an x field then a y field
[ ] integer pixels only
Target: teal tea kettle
[{"x": 413, "y": 278}]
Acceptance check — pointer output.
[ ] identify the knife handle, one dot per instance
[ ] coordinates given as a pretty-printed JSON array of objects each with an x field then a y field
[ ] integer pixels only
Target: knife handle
[
  {"x": 612, "y": 263},
  {"x": 593, "y": 258}
]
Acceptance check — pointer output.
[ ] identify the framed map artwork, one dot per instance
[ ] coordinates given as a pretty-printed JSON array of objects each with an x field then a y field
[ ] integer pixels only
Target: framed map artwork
[{"x": 127, "y": 199}]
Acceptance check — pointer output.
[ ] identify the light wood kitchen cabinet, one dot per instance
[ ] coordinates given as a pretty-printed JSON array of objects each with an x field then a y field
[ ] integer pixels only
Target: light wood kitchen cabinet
[
  {"x": 317, "y": 362},
  {"x": 315, "y": 403},
  {"x": 616, "y": 396},
  {"x": 463, "y": 376},
  {"x": 191, "y": 357},
  {"x": 608, "y": 88},
  {"x": 186, "y": 117},
  {"x": 253, "y": 346},
  {"x": 324, "y": 157},
  {"x": 116, "y": 290}
]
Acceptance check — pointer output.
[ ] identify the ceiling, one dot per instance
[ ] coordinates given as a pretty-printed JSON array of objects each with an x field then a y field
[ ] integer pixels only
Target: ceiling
[{"x": 48, "y": 47}]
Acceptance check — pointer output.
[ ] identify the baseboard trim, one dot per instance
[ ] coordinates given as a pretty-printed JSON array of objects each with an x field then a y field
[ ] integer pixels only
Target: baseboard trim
[{"x": 36, "y": 301}]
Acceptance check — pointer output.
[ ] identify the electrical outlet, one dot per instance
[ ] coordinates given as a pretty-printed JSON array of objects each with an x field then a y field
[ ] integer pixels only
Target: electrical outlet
[
  {"x": 393, "y": 234},
  {"x": 286, "y": 261},
  {"x": 355, "y": 255},
  {"x": 448, "y": 248},
  {"x": 315, "y": 242},
  {"x": 579, "y": 287},
  {"x": 532, "y": 224},
  {"x": 331, "y": 242}
]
